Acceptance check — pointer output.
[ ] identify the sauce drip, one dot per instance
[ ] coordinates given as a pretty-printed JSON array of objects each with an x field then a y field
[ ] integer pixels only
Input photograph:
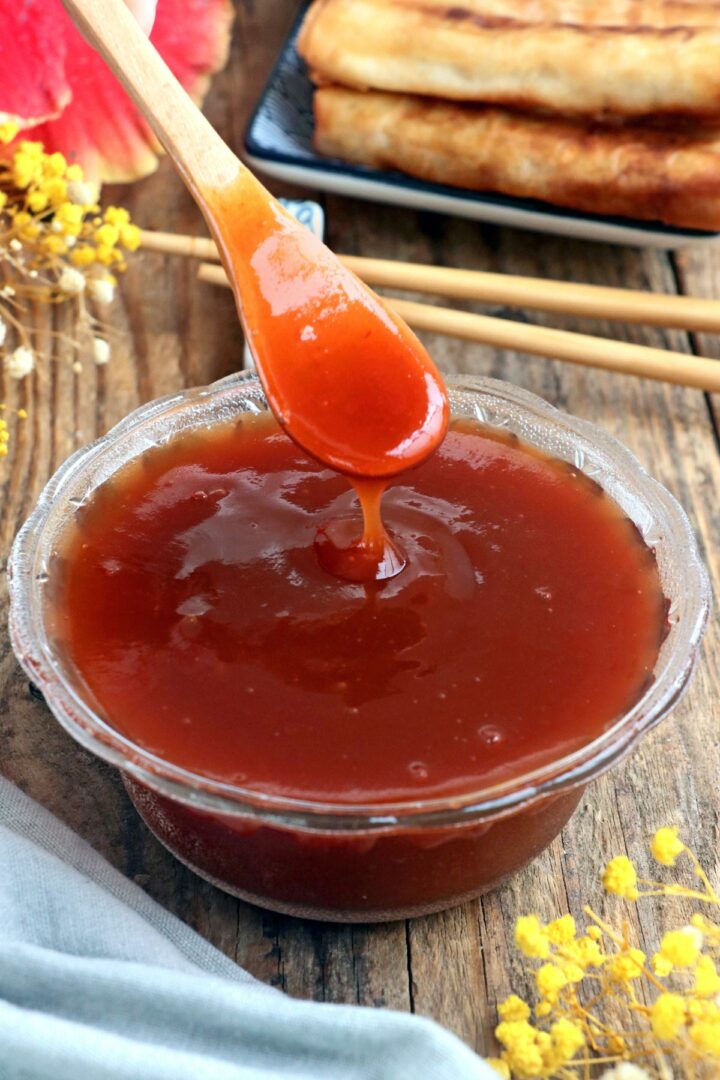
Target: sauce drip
[
  {"x": 343, "y": 374},
  {"x": 192, "y": 602},
  {"x": 371, "y": 555}
]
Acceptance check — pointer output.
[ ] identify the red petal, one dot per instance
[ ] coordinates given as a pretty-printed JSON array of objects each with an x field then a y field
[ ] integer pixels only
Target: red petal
[
  {"x": 33, "y": 86},
  {"x": 194, "y": 37},
  {"x": 101, "y": 128}
]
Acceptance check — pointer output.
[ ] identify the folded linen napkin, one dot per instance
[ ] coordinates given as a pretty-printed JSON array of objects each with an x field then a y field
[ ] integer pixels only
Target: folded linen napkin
[{"x": 98, "y": 982}]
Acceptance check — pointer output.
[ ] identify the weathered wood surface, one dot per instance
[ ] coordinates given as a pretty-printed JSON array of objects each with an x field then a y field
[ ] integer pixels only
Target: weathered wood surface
[{"x": 174, "y": 333}]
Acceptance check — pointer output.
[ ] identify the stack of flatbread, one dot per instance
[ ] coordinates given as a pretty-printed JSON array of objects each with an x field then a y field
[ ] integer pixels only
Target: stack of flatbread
[{"x": 607, "y": 106}]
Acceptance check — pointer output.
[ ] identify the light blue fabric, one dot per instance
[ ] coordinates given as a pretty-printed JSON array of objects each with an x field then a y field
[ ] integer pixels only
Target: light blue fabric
[{"x": 97, "y": 982}]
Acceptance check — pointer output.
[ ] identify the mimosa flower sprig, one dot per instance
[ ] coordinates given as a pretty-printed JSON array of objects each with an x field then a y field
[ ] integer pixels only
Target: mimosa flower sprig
[
  {"x": 56, "y": 246},
  {"x": 673, "y": 997}
]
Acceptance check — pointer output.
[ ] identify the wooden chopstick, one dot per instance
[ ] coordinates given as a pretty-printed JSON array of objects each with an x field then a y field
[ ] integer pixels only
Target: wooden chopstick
[
  {"x": 196, "y": 247},
  {"x": 620, "y": 356},
  {"x": 571, "y": 298}
]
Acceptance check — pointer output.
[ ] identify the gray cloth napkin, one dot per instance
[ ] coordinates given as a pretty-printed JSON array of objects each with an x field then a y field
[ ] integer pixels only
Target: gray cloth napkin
[{"x": 97, "y": 982}]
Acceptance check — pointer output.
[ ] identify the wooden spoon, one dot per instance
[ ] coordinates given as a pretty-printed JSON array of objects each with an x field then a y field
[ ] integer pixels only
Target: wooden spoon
[{"x": 343, "y": 374}]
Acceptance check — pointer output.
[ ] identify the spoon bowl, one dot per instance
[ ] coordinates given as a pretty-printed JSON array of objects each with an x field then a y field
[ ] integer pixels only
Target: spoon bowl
[{"x": 344, "y": 375}]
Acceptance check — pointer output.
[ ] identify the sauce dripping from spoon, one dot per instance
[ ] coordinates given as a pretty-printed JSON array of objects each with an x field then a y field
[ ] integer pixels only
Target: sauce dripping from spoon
[{"x": 346, "y": 378}]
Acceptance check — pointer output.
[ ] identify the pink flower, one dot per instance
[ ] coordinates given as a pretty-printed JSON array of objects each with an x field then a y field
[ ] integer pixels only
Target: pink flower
[{"x": 61, "y": 93}]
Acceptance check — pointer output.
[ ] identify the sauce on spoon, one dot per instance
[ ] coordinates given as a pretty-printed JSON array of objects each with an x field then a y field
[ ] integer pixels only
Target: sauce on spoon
[{"x": 345, "y": 377}]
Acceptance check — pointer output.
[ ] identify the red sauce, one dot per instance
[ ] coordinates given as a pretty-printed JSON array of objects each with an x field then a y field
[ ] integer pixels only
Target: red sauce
[
  {"x": 343, "y": 374},
  {"x": 199, "y": 609}
]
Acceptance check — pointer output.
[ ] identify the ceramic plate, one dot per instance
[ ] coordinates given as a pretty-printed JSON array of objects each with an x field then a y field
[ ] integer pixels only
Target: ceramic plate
[{"x": 278, "y": 142}]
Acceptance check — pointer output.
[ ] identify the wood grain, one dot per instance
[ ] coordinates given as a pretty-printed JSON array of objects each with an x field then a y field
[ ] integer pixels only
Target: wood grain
[{"x": 173, "y": 332}]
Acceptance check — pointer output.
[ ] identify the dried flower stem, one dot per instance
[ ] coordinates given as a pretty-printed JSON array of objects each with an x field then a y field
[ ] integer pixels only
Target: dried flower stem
[{"x": 681, "y": 1025}]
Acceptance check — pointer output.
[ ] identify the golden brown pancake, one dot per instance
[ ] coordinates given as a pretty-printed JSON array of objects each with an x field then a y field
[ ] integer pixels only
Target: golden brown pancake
[
  {"x": 666, "y": 175},
  {"x": 623, "y": 58}
]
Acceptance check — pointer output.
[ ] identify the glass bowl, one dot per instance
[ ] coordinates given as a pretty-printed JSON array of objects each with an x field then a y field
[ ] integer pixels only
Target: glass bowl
[{"x": 338, "y": 862}]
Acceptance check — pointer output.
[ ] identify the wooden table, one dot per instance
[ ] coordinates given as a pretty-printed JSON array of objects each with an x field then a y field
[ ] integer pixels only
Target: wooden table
[{"x": 175, "y": 333}]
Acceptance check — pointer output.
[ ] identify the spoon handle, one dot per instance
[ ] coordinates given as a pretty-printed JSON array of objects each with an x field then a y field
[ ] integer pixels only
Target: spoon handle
[{"x": 205, "y": 161}]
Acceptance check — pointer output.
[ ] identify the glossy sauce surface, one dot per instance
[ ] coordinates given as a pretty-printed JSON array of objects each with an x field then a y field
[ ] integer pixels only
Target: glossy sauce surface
[{"x": 529, "y": 616}]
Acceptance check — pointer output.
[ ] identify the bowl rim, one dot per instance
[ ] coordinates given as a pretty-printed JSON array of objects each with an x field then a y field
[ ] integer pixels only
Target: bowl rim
[{"x": 35, "y": 654}]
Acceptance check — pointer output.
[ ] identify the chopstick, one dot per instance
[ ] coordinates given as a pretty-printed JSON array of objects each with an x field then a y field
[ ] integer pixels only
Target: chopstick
[
  {"x": 571, "y": 298},
  {"x": 665, "y": 366}
]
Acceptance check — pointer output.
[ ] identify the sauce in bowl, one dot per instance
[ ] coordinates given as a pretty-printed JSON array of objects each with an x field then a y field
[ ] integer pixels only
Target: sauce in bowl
[
  {"x": 351, "y": 750},
  {"x": 527, "y": 618}
]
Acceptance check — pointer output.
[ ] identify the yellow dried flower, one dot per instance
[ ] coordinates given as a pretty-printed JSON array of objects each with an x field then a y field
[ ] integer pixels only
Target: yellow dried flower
[
  {"x": 116, "y": 215},
  {"x": 531, "y": 937},
  {"x": 626, "y": 965},
  {"x": 522, "y": 1053},
  {"x": 25, "y": 226},
  {"x": 56, "y": 190},
  {"x": 37, "y": 201},
  {"x": 26, "y": 170},
  {"x": 661, "y": 965},
  {"x": 587, "y": 951},
  {"x": 684, "y": 1018},
  {"x": 666, "y": 846},
  {"x": 705, "y": 1036},
  {"x": 130, "y": 237},
  {"x": 512, "y": 1033},
  {"x": 31, "y": 149},
  {"x": 620, "y": 878},
  {"x": 550, "y": 980},
  {"x": 105, "y": 255},
  {"x": 525, "y": 1061},
  {"x": 567, "y": 1038},
  {"x": 561, "y": 931},
  {"x": 697, "y": 1009},
  {"x": 681, "y": 947},
  {"x": 69, "y": 216},
  {"x": 8, "y": 131},
  {"x": 54, "y": 164},
  {"x": 667, "y": 1016},
  {"x": 513, "y": 1008},
  {"x": 501, "y": 1067},
  {"x": 54, "y": 245},
  {"x": 107, "y": 236},
  {"x": 707, "y": 980},
  {"x": 83, "y": 255},
  {"x": 51, "y": 246}
]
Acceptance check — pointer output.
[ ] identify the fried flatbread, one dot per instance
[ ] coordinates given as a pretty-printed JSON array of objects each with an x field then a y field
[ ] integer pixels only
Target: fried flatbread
[
  {"x": 671, "y": 176},
  {"x": 625, "y": 58}
]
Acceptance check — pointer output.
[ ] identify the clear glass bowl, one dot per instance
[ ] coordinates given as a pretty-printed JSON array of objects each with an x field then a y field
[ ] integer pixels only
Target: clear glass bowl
[{"x": 358, "y": 863}]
